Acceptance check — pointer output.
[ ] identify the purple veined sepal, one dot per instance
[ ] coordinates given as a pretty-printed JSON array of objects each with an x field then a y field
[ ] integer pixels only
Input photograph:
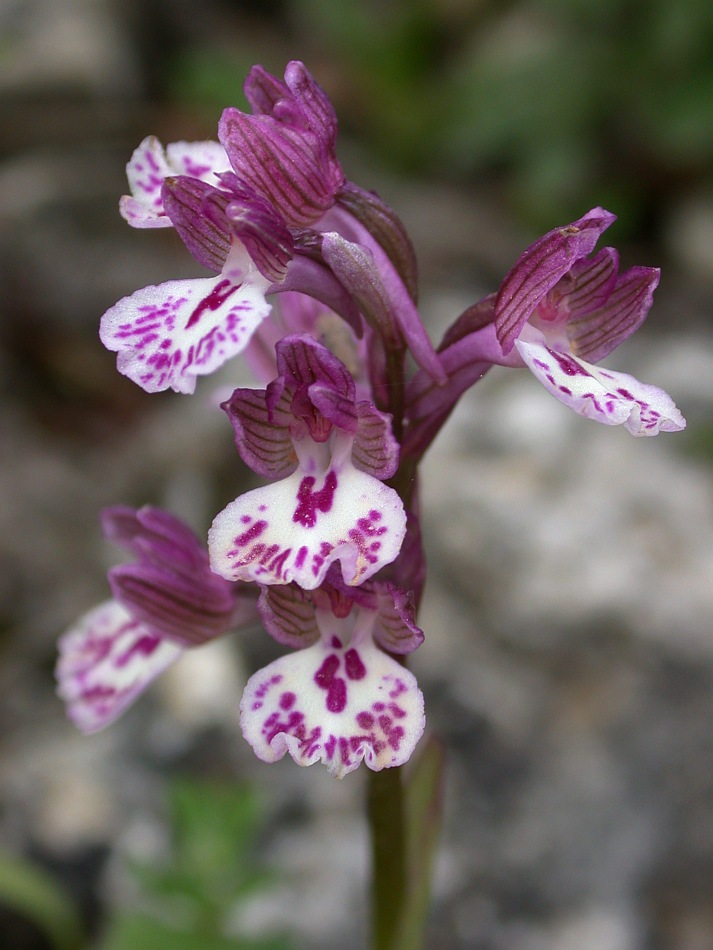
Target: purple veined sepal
[
  {"x": 286, "y": 150},
  {"x": 288, "y": 612},
  {"x": 150, "y": 164},
  {"x": 166, "y": 602},
  {"x": 313, "y": 394},
  {"x": 341, "y": 700},
  {"x": 209, "y": 218},
  {"x": 168, "y": 335},
  {"x": 170, "y": 587},
  {"x": 540, "y": 268},
  {"x": 370, "y": 277},
  {"x": 384, "y": 228}
]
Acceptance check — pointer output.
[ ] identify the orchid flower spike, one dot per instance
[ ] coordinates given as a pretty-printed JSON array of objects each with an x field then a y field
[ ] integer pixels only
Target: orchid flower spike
[
  {"x": 331, "y": 454},
  {"x": 165, "y": 602},
  {"x": 340, "y": 699},
  {"x": 564, "y": 311}
]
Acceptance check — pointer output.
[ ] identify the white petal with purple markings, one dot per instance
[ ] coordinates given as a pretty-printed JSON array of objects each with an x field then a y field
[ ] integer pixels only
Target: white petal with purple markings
[
  {"x": 151, "y": 164},
  {"x": 601, "y": 394},
  {"x": 166, "y": 335},
  {"x": 294, "y": 529},
  {"x": 335, "y": 704},
  {"x": 105, "y": 661}
]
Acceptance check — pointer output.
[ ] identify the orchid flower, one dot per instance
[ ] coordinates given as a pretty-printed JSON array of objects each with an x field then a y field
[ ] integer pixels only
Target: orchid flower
[
  {"x": 254, "y": 208},
  {"x": 340, "y": 698},
  {"x": 166, "y": 602},
  {"x": 564, "y": 311},
  {"x": 168, "y": 335},
  {"x": 151, "y": 164},
  {"x": 331, "y": 454}
]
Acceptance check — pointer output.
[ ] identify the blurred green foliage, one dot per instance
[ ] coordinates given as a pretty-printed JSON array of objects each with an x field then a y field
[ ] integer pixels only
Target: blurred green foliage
[
  {"x": 560, "y": 104},
  {"x": 189, "y": 899},
  {"x": 37, "y": 896}
]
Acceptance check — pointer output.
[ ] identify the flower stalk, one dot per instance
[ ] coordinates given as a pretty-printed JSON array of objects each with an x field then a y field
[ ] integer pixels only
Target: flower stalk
[{"x": 389, "y": 860}]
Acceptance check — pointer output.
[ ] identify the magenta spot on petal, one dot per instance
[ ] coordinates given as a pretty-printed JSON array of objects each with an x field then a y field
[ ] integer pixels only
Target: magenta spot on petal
[
  {"x": 143, "y": 647},
  {"x": 336, "y": 643},
  {"x": 325, "y": 674},
  {"x": 365, "y": 720},
  {"x": 395, "y": 737},
  {"x": 336, "y": 688},
  {"x": 337, "y": 695},
  {"x": 278, "y": 563},
  {"x": 625, "y": 393},
  {"x": 264, "y": 687},
  {"x": 215, "y": 299},
  {"x": 300, "y": 557},
  {"x": 310, "y": 502},
  {"x": 246, "y": 519},
  {"x": 273, "y": 726},
  {"x": 355, "y": 669},
  {"x": 254, "y": 531},
  {"x": 379, "y": 707},
  {"x": 287, "y": 700},
  {"x": 568, "y": 365}
]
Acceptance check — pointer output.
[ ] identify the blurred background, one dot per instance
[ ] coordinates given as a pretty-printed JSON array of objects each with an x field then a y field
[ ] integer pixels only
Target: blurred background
[{"x": 568, "y": 664}]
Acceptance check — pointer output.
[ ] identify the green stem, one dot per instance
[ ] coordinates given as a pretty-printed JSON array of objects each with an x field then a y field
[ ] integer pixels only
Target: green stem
[
  {"x": 398, "y": 873},
  {"x": 387, "y": 822}
]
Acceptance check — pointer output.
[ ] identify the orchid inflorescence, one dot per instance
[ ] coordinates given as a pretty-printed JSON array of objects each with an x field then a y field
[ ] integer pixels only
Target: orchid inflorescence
[{"x": 316, "y": 286}]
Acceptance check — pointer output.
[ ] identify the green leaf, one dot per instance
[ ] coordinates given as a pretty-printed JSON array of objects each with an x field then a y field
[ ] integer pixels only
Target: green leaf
[
  {"x": 33, "y": 893},
  {"x": 142, "y": 932},
  {"x": 188, "y": 896}
]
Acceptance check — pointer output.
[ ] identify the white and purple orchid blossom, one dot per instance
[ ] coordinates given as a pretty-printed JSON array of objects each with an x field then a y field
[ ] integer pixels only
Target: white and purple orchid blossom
[
  {"x": 558, "y": 311},
  {"x": 164, "y": 603},
  {"x": 563, "y": 311},
  {"x": 331, "y": 455},
  {"x": 255, "y": 209},
  {"x": 340, "y": 698}
]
